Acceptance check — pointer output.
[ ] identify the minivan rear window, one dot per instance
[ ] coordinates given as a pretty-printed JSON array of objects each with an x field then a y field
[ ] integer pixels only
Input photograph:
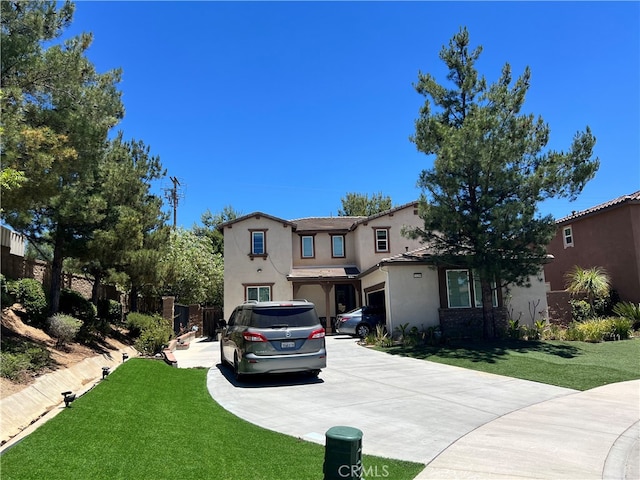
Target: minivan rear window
[{"x": 284, "y": 317}]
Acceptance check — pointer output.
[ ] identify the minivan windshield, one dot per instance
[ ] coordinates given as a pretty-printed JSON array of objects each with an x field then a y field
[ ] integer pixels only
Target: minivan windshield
[{"x": 284, "y": 317}]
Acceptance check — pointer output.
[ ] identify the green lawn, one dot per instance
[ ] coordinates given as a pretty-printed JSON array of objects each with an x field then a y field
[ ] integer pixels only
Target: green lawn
[
  {"x": 576, "y": 365},
  {"x": 150, "y": 421}
]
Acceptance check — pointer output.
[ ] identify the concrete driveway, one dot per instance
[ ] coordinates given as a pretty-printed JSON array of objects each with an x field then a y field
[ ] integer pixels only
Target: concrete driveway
[{"x": 458, "y": 422}]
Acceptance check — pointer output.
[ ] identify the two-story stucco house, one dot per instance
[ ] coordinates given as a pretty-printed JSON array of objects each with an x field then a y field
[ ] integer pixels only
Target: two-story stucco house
[
  {"x": 607, "y": 236},
  {"x": 340, "y": 263}
]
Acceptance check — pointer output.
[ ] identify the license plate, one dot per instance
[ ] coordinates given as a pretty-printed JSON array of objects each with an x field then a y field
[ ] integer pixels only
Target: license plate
[{"x": 288, "y": 344}]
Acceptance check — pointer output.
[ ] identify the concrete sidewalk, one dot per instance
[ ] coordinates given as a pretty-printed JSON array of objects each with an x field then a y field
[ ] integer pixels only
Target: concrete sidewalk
[{"x": 459, "y": 423}]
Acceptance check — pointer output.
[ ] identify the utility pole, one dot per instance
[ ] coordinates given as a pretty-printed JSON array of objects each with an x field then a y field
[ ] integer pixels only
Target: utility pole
[{"x": 173, "y": 197}]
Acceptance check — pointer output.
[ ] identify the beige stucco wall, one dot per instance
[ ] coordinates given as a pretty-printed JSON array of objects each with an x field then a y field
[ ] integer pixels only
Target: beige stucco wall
[
  {"x": 419, "y": 301},
  {"x": 364, "y": 236},
  {"x": 240, "y": 269},
  {"x": 415, "y": 300},
  {"x": 527, "y": 304},
  {"x": 315, "y": 294},
  {"x": 322, "y": 250}
]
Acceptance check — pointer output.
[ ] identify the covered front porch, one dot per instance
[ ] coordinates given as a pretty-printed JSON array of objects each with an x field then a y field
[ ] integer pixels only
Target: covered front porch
[{"x": 334, "y": 290}]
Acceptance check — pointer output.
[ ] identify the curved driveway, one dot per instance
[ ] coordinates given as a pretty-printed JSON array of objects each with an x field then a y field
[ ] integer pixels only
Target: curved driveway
[{"x": 460, "y": 423}]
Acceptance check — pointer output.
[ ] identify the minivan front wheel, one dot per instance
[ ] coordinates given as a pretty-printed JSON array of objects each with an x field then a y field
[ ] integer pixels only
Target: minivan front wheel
[{"x": 363, "y": 330}]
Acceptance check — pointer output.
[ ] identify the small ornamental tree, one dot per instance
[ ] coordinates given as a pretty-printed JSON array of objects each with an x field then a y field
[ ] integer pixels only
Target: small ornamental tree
[{"x": 490, "y": 171}]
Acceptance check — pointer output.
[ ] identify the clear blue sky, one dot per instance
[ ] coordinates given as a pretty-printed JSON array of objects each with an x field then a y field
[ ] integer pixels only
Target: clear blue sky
[{"x": 285, "y": 107}]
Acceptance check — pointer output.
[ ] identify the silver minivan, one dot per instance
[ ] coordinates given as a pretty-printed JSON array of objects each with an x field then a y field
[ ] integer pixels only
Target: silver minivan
[{"x": 274, "y": 337}]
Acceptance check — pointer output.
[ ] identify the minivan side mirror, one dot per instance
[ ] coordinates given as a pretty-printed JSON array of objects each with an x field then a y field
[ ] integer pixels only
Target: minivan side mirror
[{"x": 222, "y": 323}]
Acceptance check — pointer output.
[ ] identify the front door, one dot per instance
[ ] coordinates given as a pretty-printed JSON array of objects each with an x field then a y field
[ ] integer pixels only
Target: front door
[{"x": 345, "y": 298}]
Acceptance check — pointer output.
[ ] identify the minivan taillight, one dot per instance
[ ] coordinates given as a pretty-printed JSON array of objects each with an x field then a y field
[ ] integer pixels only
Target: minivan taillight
[
  {"x": 254, "y": 337},
  {"x": 316, "y": 334}
]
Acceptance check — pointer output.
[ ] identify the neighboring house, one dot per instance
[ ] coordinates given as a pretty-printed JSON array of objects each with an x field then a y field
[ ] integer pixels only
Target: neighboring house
[
  {"x": 608, "y": 236},
  {"x": 340, "y": 263}
]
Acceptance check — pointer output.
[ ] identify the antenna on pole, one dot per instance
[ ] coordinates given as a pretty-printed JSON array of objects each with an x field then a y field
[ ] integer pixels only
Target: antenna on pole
[{"x": 173, "y": 197}]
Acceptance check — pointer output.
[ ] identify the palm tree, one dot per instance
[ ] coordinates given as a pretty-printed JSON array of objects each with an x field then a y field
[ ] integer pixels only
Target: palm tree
[{"x": 594, "y": 282}]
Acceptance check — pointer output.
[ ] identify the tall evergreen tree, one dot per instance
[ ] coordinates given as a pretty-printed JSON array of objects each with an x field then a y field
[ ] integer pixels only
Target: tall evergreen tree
[
  {"x": 57, "y": 112},
  {"x": 491, "y": 170},
  {"x": 131, "y": 211}
]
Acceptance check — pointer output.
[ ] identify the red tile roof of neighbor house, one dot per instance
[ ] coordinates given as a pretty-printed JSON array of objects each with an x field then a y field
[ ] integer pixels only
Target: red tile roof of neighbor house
[{"x": 631, "y": 198}]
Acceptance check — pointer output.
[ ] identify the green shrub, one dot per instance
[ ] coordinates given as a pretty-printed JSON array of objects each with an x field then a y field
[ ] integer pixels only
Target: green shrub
[
  {"x": 137, "y": 322},
  {"x": 618, "y": 328},
  {"x": 580, "y": 310},
  {"x": 514, "y": 330},
  {"x": 151, "y": 341},
  {"x": 630, "y": 311},
  {"x": 74, "y": 304},
  {"x": 152, "y": 331},
  {"x": 110, "y": 310},
  {"x": 64, "y": 327},
  {"x": 554, "y": 332},
  {"x": 30, "y": 293},
  {"x": 599, "y": 330},
  {"x": 7, "y": 291},
  {"x": 20, "y": 357},
  {"x": 13, "y": 366}
]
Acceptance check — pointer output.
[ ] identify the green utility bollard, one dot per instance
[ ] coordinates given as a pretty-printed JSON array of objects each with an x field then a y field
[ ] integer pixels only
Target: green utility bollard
[{"x": 343, "y": 454}]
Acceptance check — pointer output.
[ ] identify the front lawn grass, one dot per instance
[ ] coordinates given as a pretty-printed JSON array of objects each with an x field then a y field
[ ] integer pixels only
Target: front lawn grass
[
  {"x": 148, "y": 420},
  {"x": 576, "y": 365}
]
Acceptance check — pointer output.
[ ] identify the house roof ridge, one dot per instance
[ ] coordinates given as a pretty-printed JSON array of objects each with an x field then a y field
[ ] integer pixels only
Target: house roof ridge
[
  {"x": 387, "y": 212},
  {"x": 252, "y": 214},
  {"x": 631, "y": 197},
  {"x": 326, "y": 217}
]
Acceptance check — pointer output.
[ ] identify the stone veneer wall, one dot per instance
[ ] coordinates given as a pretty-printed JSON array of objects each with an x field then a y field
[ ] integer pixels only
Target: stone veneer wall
[{"x": 467, "y": 322}]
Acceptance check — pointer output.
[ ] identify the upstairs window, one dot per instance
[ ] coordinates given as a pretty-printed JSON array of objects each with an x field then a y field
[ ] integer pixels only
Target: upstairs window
[
  {"x": 567, "y": 236},
  {"x": 337, "y": 246},
  {"x": 382, "y": 239},
  {"x": 258, "y": 242},
  {"x": 307, "y": 246}
]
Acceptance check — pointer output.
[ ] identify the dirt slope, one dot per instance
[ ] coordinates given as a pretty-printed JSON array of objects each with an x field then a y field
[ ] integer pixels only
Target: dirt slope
[{"x": 13, "y": 326}]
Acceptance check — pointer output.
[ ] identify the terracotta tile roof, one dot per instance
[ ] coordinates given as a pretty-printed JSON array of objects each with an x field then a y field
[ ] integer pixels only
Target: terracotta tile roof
[
  {"x": 631, "y": 198},
  {"x": 318, "y": 224},
  {"x": 420, "y": 254}
]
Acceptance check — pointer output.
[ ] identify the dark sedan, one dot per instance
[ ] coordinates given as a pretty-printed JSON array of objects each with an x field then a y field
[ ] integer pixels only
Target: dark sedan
[{"x": 361, "y": 321}]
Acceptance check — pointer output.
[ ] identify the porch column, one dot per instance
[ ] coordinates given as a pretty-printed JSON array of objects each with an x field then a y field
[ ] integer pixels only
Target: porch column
[
  {"x": 296, "y": 289},
  {"x": 327, "y": 306}
]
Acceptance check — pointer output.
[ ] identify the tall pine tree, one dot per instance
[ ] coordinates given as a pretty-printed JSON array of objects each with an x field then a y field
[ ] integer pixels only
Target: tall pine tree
[{"x": 491, "y": 170}]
